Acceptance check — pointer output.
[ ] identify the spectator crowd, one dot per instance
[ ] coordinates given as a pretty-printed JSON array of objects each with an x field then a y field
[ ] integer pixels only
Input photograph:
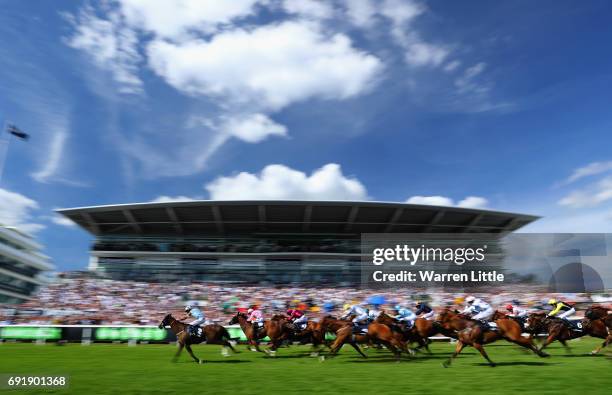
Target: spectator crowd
[{"x": 84, "y": 299}]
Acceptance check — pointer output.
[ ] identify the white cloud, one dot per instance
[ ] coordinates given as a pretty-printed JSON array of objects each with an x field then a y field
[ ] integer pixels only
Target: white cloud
[
  {"x": 167, "y": 199},
  {"x": 252, "y": 128},
  {"x": 423, "y": 54},
  {"x": 316, "y": 9},
  {"x": 361, "y": 12},
  {"x": 110, "y": 44},
  {"x": 591, "y": 169},
  {"x": 473, "y": 202},
  {"x": 452, "y": 65},
  {"x": 175, "y": 18},
  {"x": 431, "y": 200},
  {"x": 468, "y": 202},
  {"x": 62, "y": 221},
  {"x": 418, "y": 52},
  {"x": 53, "y": 160},
  {"x": 466, "y": 82},
  {"x": 592, "y": 195},
  {"x": 278, "y": 182},
  {"x": 16, "y": 210},
  {"x": 270, "y": 66},
  {"x": 401, "y": 12}
]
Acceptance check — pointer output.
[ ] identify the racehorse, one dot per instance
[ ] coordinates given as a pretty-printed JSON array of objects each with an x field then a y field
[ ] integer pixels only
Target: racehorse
[
  {"x": 419, "y": 333},
  {"x": 451, "y": 322},
  {"x": 599, "y": 312},
  {"x": 313, "y": 330},
  {"x": 376, "y": 333},
  {"x": 335, "y": 326},
  {"x": 211, "y": 334},
  {"x": 558, "y": 329},
  {"x": 476, "y": 335},
  {"x": 275, "y": 330}
]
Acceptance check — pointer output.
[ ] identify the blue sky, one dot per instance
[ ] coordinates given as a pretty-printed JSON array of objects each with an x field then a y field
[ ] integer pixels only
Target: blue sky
[{"x": 478, "y": 104}]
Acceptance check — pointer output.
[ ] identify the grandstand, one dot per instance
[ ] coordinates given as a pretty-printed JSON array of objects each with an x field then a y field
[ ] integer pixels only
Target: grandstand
[
  {"x": 22, "y": 267},
  {"x": 260, "y": 241}
]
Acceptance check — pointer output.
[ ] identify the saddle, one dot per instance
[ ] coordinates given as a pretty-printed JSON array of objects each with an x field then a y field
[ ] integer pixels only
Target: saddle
[
  {"x": 196, "y": 331},
  {"x": 360, "y": 328},
  {"x": 488, "y": 326},
  {"x": 575, "y": 325}
]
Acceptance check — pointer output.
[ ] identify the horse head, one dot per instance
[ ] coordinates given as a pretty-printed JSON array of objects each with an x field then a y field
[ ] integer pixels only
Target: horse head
[
  {"x": 236, "y": 319},
  {"x": 166, "y": 321},
  {"x": 498, "y": 315}
]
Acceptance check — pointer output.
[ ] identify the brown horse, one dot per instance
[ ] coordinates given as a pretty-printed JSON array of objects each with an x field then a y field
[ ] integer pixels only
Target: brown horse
[
  {"x": 599, "y": 312},
  {"x": 476, "y": 335},
  {"x": 377, "y": 333},
  {"x": 211, "y": 334},
  {"x": 336, "y": 326},
  {"x": 315, "y": 332},
  {"x": 419, "y": 333},
  {"x": 451, "y": 322},
  {"x": 557, "y": 329},
  {"x": 274, "y": 329}
]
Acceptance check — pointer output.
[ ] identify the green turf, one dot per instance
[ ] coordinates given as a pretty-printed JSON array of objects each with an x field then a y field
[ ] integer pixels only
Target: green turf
[{"x": 119, "y": 369}]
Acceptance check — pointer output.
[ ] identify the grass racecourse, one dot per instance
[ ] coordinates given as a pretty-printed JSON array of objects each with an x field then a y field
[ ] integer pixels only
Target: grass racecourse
[{"x": 120, "y": 369}]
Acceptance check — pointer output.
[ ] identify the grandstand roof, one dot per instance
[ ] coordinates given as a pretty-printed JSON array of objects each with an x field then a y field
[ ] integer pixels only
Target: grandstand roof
[{"x": 209, "y": 217}]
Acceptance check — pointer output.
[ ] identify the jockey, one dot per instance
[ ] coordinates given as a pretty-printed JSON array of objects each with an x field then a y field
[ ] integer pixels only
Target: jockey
[
  {"x": 405, "y": 316},
  {"x": 361, "y": 315},
  {"x": 516, "y": 311},
  {"x": 296, "y": 317},
  {"x": 193, "y": 311},
  {"x": 560, "y": 306},
  {"x": 478, "y": 309},
  {"x": 424, "y": 311},
  {"x": 255, "y": 317}
]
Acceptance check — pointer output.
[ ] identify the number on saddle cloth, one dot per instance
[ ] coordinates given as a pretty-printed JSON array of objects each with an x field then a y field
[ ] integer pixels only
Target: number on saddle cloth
[{"x": 195, "y": 331}]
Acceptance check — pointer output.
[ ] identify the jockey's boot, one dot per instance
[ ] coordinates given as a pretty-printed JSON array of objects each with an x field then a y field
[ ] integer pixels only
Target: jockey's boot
[
  {"x": 484, "y": 324},
  {"x": 571, "y": 324},
  {"x": 193, "y": 330}
]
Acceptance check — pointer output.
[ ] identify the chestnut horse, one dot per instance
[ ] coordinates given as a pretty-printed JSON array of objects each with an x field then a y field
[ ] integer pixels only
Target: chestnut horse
[
  {"x": 419, "y": 333},
  {"x": 211, "y": 334},
  {"x": 476, "y": 335},
  {"x": 377, "y": 333},
  {"x": 336, "y": 326},
  {"x": 597, "y": 313},
  {"x": 557, "y": 329},
  {"x": 451, "y": 322},
  {"x": 274, "y": 329}
]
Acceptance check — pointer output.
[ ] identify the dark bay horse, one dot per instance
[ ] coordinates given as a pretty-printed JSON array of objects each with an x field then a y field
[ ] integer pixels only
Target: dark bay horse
[
  {"x": 275, "y": 330},
  {"x": 476, "y": 335},
  {"x": 557, "y": 329},
  {"x": 211, "y": 334}
]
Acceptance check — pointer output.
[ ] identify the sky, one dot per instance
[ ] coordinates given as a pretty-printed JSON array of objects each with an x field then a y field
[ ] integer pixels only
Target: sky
[{"x": 498, "y": 105}]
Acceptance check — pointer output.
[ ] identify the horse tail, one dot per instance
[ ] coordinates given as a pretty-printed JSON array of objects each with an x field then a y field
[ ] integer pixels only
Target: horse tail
[{"x": 225, "y": 335}]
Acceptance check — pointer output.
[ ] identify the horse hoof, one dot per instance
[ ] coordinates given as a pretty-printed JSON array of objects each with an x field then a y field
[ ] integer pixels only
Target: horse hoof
[
  {"x": 322, "y": 358},
  {"x": 200, "y": 361},
  {"x": 493, "y": 365},
  {"x": 445, "y": 364}
]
